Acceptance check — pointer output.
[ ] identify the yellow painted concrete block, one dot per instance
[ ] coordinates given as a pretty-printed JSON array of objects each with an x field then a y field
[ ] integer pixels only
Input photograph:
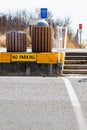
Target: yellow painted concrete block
[
  {"x": 5, "y": 57},
  {"x": 61, "y": 58},
  {"x": 49, "y": 58}
]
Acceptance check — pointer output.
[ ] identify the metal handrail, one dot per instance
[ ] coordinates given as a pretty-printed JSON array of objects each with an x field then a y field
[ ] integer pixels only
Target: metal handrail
[{"x": 59, "y": 43}]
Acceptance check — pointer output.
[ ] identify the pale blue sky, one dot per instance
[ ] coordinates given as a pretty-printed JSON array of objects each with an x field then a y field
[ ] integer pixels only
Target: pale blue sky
[{"x": 75, "y": 9}]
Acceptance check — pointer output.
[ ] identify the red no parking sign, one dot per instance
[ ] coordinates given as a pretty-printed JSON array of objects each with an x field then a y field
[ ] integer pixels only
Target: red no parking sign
[{"x": 80, "y": 26}]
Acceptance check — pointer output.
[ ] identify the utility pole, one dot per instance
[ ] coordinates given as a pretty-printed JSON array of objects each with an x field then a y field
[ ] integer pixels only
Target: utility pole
[{"x": 80, "y": 33}]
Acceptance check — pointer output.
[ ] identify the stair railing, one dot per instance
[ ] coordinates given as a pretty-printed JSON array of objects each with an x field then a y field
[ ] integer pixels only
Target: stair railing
[{"x": 61, "y": 47}]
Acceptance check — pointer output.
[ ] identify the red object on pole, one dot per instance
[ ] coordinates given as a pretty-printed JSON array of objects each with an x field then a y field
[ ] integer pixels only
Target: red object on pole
[{"x": 80, "y": 26}]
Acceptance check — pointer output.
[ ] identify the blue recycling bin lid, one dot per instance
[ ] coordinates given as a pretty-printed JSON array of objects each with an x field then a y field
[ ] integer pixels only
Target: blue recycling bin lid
[{"x": 42, "y": 23}]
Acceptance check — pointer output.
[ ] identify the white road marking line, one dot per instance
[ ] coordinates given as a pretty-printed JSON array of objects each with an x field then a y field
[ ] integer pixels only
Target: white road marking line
[
  {"x": 76, "y": 105},
  {"x": 71, "y": 76}
]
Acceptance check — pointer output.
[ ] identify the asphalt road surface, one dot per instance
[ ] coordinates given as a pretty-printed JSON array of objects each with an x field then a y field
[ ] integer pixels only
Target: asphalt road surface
[{"x": 43, "y": 103}]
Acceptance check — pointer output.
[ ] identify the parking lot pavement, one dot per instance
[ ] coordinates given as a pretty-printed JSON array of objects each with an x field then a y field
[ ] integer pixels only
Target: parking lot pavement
[
  {"x": 80, "y": 87},
  {"x": 42, "y": 103}
]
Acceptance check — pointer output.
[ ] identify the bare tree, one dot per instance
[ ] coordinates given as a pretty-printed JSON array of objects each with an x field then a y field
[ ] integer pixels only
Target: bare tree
[{"x": 20, "y": 19}]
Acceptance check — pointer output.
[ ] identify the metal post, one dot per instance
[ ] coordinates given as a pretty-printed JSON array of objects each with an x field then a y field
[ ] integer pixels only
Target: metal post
[
  {"x": 60, "y": 37},
  {"x": 80, "y": 36},
  {"x": 65, "y": 39},
  {"x": 58, "y": 46}
]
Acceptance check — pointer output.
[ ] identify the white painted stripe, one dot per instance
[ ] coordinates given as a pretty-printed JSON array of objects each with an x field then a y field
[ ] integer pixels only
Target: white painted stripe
[
  {"x": 76, "y": 105},
  {"x": 76, "y": 76}
]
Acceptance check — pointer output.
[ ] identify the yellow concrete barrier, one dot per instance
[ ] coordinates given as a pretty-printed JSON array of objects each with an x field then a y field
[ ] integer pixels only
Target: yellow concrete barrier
[
  {"x": 49, "y": 58},
  {"x": 61, "y": 58},
  {"x": 5, "y": 57}
]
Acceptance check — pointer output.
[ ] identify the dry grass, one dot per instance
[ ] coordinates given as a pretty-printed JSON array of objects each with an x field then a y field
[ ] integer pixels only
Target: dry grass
[
  {"x": 75, "y": 45},
  {"x": 2, "y": 40},
  {"x": 29, "y": 41},
  {"x": 69, "y": 43},
  {"x": 83, "y": 45}
]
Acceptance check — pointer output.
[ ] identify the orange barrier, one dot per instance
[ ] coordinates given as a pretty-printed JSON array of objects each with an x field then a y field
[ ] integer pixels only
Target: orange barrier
[{"x": 5, "y": 57}]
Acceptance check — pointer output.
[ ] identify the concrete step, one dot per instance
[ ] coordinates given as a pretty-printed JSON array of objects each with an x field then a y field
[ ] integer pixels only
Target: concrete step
[
  {"x": 75, "y": 66},
  {"x": 75, "y": 62},
  {"x": 76, "y": 53},
  {"x": 75, "y": 57},
  {"x": 69, "y": 71}
]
